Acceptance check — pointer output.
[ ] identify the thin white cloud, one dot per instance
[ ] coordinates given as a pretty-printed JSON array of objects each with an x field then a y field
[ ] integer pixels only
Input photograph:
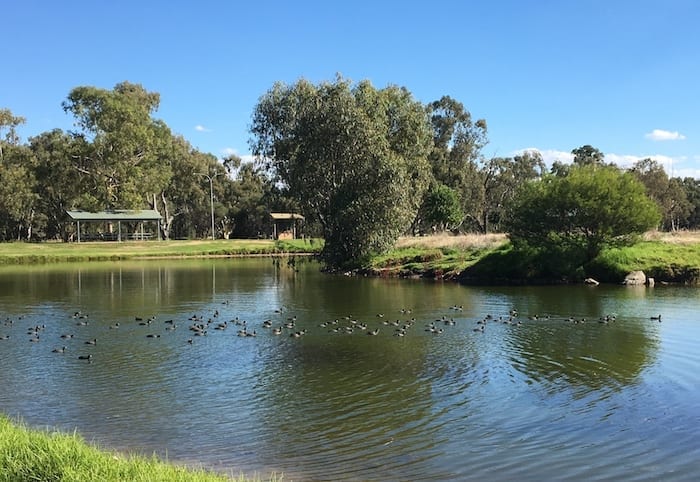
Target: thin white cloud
[
  {"x": 674, "y": 166},
  {"x": 201, "y": 128},
  {"x": 230, "y": 151},
  {"x": 662, "y": 135},
  {"x": 549, "y": 156}
]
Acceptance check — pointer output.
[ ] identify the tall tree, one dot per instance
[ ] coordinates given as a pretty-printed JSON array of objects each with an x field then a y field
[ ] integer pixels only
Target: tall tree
[
  {"x": 123, "y": 139},
  {"x": 669, "y": 196},
  {"x": 58, "y": 183},
  {"x": 588, "y": 156},
  {"x": 454, "y": 157},
  {"x": 9, "y": 123},
  {"x": 353, "y": 156},
  {"x": 691, "y": 188},
  {"x": 17, "y": 193},
  {"x": 501, "y": 178}
]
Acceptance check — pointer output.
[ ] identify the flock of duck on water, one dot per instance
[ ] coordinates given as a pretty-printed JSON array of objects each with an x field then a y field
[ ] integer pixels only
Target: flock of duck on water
[{"x": 203, "y": 325}]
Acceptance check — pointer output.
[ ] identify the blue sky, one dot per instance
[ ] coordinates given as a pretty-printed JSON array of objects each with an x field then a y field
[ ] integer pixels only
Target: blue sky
[{"x": 623, "y": 76}]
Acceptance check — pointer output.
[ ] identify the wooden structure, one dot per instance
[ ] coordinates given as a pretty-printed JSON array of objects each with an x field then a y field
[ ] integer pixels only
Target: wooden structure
[
  {"x": 284, "y": 225},
  {"x": 118, "y": 216}
]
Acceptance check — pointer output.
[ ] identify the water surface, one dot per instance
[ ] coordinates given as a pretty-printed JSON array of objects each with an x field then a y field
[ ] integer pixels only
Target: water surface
[{"x": 541, "y": 395}]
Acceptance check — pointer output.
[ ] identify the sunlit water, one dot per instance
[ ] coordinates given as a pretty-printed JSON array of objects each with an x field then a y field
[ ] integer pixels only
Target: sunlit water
[{"x": 543, "y": 399}]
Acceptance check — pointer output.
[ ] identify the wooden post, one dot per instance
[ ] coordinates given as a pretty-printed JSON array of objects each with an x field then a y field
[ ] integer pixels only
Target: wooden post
[{"x": 78, "y": 231}]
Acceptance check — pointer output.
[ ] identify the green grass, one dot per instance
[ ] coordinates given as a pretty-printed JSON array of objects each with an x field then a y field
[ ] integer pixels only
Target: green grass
[
  {"x": 663, "y": 261},
  {"x": 497, "y": 262},
  {"x": 30, "y": 253},
  {"x": 32, "y": 455}
]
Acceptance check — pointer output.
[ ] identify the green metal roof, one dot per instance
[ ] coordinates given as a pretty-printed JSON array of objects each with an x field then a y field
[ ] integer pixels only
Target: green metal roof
[{"x": 116, "y": 215}]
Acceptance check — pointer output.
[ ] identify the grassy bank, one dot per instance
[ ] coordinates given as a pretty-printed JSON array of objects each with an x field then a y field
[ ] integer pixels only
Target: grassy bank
[
  {"x": 27, "y": 253},
  {"x": 31, "y": 455},
  {"x": 667, "y": 257}
]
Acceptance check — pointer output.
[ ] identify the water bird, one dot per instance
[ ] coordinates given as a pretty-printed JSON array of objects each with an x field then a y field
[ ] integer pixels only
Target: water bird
[
  {"x": 85, "y": 357},
  {"x": 656, "y": 318},
  {"x": 479, "y": 328},
  {"x": 67, "y": 336},
  {"x": 114, "y": 326},
  {"x": 59, "y": 350},
  {"x": 277, "y": 331},
  {"x": 151, "y": 335},
  {"x": 5, "y": 337},
  {"x": 373, "y": 332},
  {"x": 91, "y": 342},
  {"x": 35, "y": 339},
  {"x": 81, "y": 323}
]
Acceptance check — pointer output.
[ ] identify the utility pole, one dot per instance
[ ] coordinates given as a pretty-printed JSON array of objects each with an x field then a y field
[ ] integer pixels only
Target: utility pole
[{"x": 211, "y": 198}]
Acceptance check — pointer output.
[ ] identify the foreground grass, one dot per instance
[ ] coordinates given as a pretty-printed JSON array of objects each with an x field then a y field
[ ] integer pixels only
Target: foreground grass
[
  {"x": 27, "y": 253},
  {"x": 31, "y": 455}
]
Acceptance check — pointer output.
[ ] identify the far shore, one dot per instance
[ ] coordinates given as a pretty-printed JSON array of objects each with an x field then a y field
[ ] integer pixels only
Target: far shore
[{"x": 668, "y": 257}]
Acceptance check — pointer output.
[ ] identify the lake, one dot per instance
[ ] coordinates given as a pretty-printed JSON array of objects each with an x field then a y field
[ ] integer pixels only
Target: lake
[{"x": 458, "y": 383}]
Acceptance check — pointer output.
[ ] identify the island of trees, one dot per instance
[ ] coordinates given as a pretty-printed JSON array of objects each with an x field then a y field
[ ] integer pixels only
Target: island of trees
[{"x": 364, "y": 165}]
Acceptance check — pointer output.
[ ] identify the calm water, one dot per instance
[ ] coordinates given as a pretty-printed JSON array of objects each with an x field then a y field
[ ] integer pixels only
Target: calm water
[{"x": 544, "y": 399}]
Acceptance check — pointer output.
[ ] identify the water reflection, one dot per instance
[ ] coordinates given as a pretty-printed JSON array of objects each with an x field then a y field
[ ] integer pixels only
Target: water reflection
[{"x": 537, "y": 400}]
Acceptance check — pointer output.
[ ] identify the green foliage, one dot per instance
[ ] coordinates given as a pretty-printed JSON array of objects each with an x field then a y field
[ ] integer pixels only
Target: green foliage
[
  {"x": 353, "y": 157},
  {"x": 457, "y": 144},
  {"x": 669, "y": 194},
  {"x": 120, "y": 162},
  {"x": 442, "y": 208},
  {"x": 575, "y": 216}
]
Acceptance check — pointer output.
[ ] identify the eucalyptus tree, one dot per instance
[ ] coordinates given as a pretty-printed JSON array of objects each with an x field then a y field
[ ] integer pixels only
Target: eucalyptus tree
[
  {"x": 456, "y": 151},
  {"x": 58, "y": 183},
  {"x": 668, "y": 194},
  {"x": 353, "y": 156},
  {"x": 121, "y": 162},
  {"x": 17, "y": 194},
  {"x": 501, "y": 177},
  {"x": 691, "y": 188},
  {"x": 588, "y": 155},
  {"x": 441, "y": 209}
]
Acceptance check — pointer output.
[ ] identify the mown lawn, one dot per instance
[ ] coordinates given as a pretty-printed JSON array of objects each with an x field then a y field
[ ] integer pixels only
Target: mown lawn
[{"x": 26, "y": 253}]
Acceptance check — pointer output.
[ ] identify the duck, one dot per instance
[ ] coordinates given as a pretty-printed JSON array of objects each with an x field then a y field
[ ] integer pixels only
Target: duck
[
  {"x": 114, "y": 326},
  {"x": 373, "y": 332},
  {"x": 656, "y": 318},
  {"x": 91, "y": 342},
  {"x": 151, "y": 335},
  {"x": 67, "y": 336},
  {"x": 85, "y": 357},
  {"x": 59, "y": 350},
  {"x": 5, "y": 337}
]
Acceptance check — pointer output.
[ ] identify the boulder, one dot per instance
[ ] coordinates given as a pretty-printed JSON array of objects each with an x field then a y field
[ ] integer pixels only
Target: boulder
[{"x": 635, "y": 278}]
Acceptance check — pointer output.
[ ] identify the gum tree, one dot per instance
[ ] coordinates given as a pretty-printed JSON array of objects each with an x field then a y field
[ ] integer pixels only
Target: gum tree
[{"x": 352, "y": 155}]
